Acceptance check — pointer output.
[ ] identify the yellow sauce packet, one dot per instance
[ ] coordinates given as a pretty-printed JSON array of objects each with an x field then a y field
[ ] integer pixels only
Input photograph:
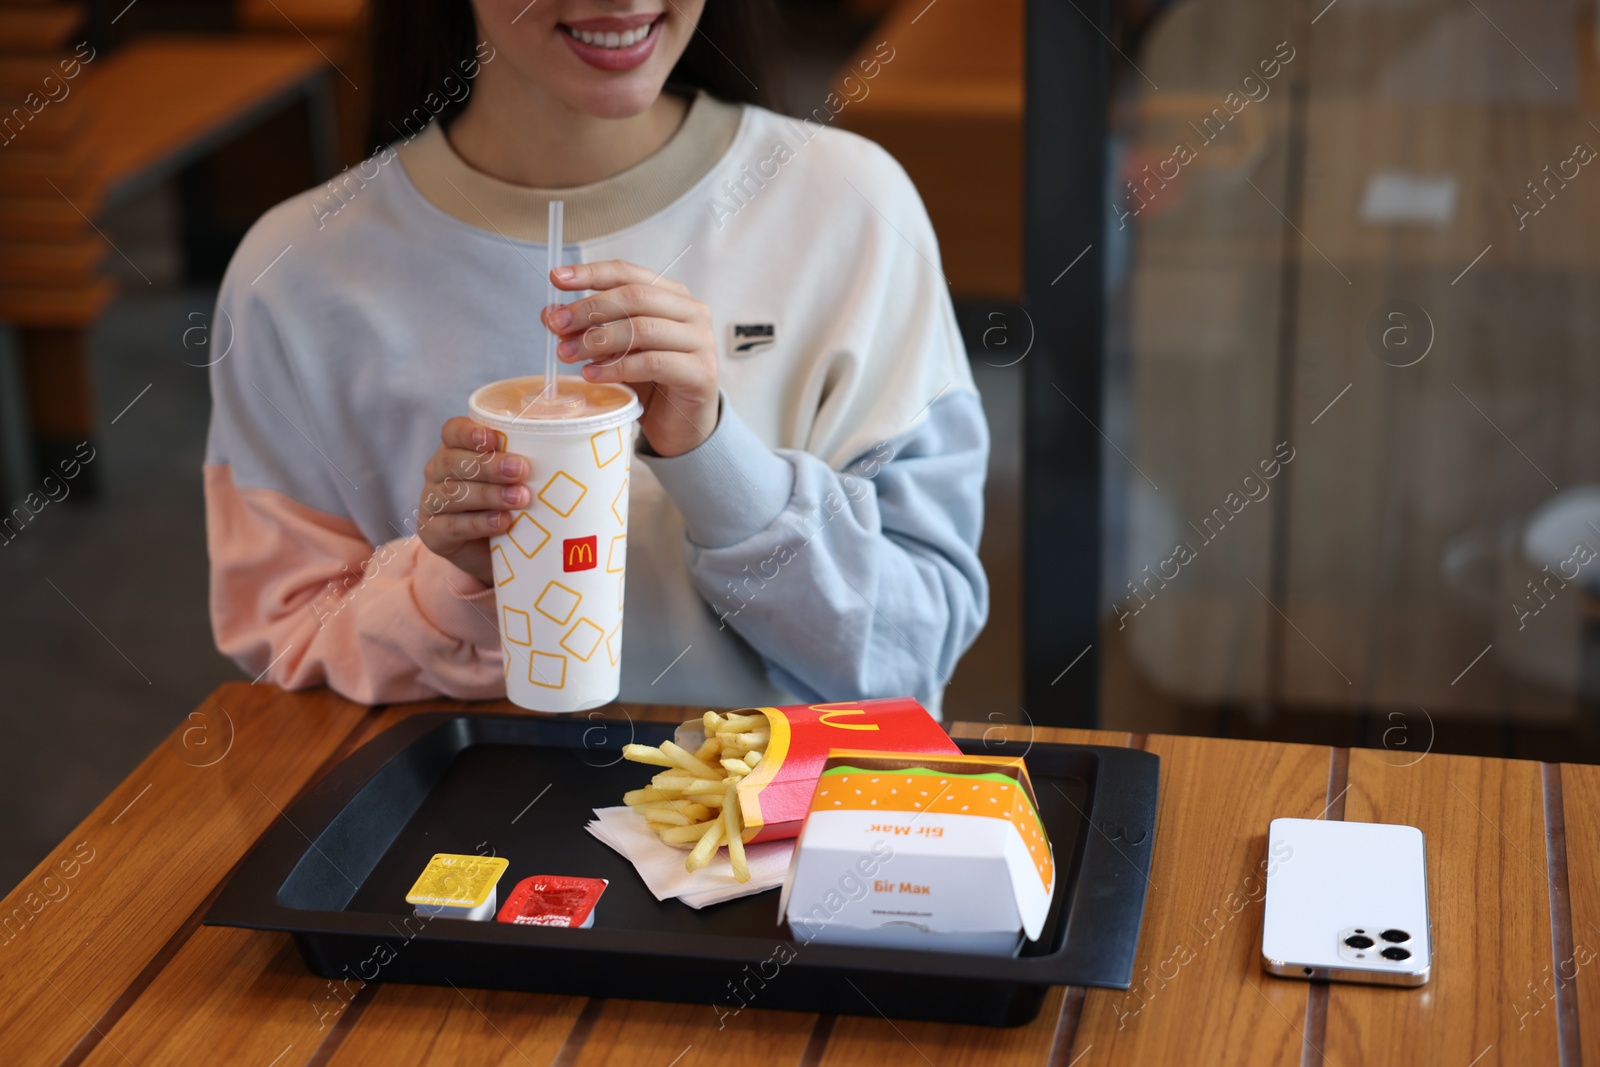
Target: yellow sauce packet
[{"x": 457, "y": 881}]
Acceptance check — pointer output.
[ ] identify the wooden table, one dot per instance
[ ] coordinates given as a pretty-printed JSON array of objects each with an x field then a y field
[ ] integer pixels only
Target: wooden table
[{"x": 104, "y": 959}]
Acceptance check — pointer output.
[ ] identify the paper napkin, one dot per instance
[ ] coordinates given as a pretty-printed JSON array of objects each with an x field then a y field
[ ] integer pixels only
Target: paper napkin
[{"x": 662, "y": 866}]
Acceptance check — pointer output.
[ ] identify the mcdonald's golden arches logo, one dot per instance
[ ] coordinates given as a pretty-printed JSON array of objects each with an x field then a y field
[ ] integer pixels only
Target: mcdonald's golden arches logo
[
  {"x": 578, "y": 554},
  {"x": 827, "y": 718}
]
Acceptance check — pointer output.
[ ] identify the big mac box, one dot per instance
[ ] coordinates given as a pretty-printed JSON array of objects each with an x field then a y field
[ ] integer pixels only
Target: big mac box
[
  {"x": 774, "y": 798},
  {"x": 945, "y": 853}
]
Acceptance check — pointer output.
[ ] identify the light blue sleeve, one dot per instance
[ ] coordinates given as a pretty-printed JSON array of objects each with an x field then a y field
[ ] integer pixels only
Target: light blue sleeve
[{"x": 850, "y": 584}]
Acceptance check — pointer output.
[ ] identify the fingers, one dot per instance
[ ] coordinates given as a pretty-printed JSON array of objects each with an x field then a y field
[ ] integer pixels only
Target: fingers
[
  {"x": 471, "y": 490},
  {"x": 448, "y": 529},
  {"x": 621, "y": 305},
  {"x": 462, "y": 432},
  {"x": 675, "y": 370},
  {"x": 457, "y": 512},
  {"x": 457, "y": 464},
  {"x": 481, "y": 496},
  {"x": 609, "y": 274},
  {"x": 631, "y": 335}
]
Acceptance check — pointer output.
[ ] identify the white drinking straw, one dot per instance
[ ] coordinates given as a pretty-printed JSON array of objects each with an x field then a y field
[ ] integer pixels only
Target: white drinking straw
[{"x": 553, "y": 260}]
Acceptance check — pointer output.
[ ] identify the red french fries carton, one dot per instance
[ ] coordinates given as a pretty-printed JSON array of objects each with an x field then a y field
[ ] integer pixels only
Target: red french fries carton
[{"x": 774, "y": 798}]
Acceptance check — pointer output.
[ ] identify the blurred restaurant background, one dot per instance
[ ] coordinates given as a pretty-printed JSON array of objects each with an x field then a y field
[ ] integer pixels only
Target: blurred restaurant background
[{"x": 1344, "y": 482}]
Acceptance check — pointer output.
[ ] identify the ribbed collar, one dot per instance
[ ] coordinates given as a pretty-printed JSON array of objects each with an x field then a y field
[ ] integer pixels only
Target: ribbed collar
[{"x": 592, "y": 210}]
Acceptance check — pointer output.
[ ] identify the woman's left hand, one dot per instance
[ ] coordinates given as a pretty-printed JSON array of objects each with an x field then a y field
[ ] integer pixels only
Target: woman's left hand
[{"x": 649, "y": 332}]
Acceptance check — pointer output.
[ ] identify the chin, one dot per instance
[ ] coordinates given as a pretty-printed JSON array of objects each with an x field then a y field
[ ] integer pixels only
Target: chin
[{"x": 614, "y": 101}]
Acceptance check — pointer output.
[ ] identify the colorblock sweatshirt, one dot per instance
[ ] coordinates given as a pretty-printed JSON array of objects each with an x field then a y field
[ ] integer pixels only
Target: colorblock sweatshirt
[{"x": 820, "y": 545}]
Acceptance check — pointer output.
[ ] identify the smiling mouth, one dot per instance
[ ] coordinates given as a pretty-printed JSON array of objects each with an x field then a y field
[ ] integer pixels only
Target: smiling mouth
[{"x": 613, "y": 40}]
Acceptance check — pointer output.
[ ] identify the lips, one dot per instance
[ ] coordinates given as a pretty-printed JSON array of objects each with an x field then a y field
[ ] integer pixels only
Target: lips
[{"x": 613, "y": 44}]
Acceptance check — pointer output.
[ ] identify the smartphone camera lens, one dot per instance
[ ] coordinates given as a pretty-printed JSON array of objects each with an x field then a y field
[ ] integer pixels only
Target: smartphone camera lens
[
  {"x": 1358, "y": 941},
  {"x": 1396, "y": 936},
  {"x": 1394, "y": 952}
]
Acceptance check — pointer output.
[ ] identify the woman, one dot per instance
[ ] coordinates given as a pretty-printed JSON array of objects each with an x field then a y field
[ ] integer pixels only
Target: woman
[{"x": 807, "y": 506}]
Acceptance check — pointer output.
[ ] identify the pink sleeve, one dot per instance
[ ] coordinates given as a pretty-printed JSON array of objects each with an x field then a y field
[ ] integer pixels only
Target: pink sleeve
[{"x": 300, "y": 597}]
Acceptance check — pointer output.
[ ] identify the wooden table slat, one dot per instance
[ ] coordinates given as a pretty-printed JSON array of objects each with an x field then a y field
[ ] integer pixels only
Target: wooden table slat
[
  {"x": 1198, "y": 983},
  {"x": 149, "y": 855},
  {"x": 227, "y": 996},
  {"x": 1580, "y": 792},
  {"x": 859, "y": 1039},
  {"x": 243, "y": 983},
  {"x": 1489, "y": 900},
  {"x": 408, "y": 1024},
  {"x": 631, "y": 1032}
]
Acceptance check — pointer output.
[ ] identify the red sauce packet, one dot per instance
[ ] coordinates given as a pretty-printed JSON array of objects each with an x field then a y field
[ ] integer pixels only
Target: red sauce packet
[{"x": 553, "y": 900}]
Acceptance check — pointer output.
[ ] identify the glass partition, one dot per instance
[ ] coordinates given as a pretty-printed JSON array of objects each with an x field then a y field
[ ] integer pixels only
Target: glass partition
[{"x": 1350, "y": 288}]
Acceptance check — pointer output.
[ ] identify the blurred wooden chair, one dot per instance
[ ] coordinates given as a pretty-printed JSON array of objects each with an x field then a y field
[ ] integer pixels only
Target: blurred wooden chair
[
  {"x": 948, "y": 106},
  {"x": 81, "y": 132}
]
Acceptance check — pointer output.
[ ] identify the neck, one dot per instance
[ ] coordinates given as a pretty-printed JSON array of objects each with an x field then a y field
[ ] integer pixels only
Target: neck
[{"x": 527, "y": 137}]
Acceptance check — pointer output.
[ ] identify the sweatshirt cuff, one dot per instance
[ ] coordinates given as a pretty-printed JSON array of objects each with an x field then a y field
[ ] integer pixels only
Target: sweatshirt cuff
[
  {"x": 457, "y": 604},
  {"x": 729, "y": 487}
]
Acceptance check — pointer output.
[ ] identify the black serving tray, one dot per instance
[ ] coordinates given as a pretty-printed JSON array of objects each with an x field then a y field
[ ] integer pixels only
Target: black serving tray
[{"x": 335, "y": 869}]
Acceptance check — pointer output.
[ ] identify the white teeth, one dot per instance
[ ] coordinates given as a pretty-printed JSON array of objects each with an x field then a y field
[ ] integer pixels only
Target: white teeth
[{"x": 612, "y": 40}]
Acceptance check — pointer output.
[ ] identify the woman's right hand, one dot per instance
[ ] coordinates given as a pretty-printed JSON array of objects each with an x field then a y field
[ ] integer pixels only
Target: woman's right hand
[{"x": 470, "y": 493}]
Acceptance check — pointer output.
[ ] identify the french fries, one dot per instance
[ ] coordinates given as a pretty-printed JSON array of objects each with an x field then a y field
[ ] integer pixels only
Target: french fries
[{"x": 692, "y": 802}]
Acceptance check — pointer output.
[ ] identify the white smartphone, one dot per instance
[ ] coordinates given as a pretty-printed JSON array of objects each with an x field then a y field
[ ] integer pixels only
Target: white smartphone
[{"x": 1347, "y": 901}]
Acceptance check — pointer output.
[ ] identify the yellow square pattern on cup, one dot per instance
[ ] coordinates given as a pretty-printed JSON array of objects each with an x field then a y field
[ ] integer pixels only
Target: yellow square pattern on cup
[
  {"x": 583, "y": 639},
  {"x": 527, "y": 535},
  {"x": 548, "y": 669},
  {"x": 516, "y": 626},
  {"x": 616, "y": 554},
  {"x": 501, "y": 565},
  {"x": 607, "y": 445},
  {"x": 558, "y": 602},
  {"x": 619, "y": 505},
  {"x": 562, "y": 493}
]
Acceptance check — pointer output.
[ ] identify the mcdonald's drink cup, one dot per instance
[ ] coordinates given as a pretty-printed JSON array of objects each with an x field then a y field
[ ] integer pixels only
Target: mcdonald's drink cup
[{"x": 559, "y": 569}]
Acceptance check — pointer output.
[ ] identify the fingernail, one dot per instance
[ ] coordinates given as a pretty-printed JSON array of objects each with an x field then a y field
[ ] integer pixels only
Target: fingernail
[
  {"x": 511, "y": 466},
  {"x": 591, "y": 371},
  {"x": 567, "y": 348},
  {"x": 515, "y": 495},
  {"x": 564, "y": 274},
  {"x": 480, "y": 438},
  {"x": 560, "y": 318}
]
